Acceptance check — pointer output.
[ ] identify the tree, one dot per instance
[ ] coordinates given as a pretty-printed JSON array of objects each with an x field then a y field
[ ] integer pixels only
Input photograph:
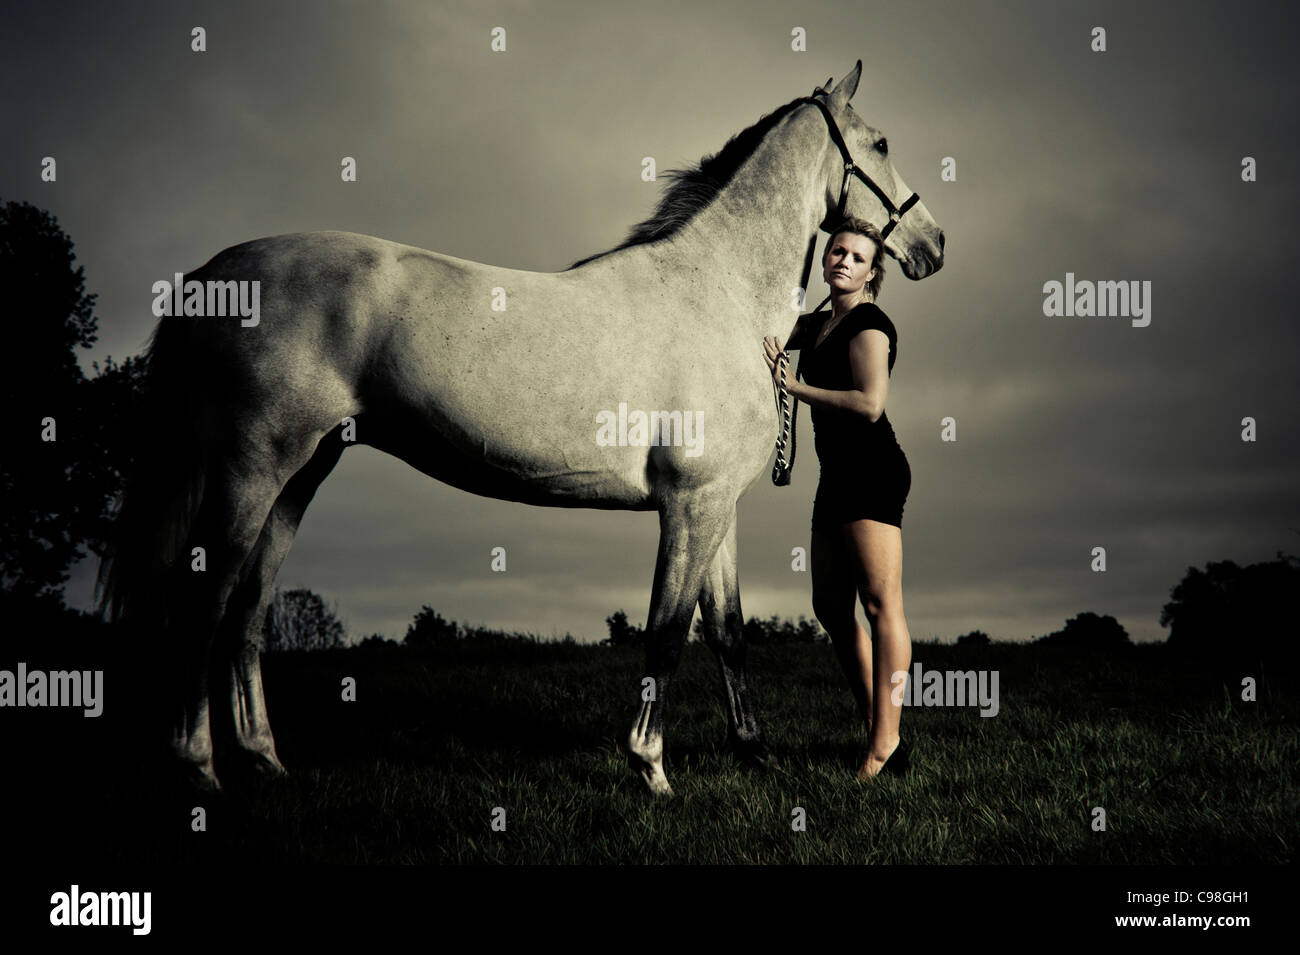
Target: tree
[
  {"x": 429, "y": 629},
  {"x": 112, "y": 403},
  {"x": 777, "y": 630},
  {"x": 300, "y": 620},
  {"x": 976, "y": 638},
  {"x": 1235, "y": 616},
  {"x": 51, "y": 490},
  {"x": 621, "y": 633},
  {"x": 1088, "y": 631}
]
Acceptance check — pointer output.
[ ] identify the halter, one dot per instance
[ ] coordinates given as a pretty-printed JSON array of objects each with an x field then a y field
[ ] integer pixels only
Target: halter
[
  {"x": 788, "y": 416},
  {"x": 851, "y": 168}
]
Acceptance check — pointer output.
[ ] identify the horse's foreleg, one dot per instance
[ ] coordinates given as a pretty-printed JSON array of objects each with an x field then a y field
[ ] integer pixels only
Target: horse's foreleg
[
  {"x": 724, "y": 632},
  {"x": 691, "y": 527}
]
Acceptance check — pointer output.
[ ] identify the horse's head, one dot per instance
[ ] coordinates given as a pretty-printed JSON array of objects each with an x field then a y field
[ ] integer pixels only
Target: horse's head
[{"x": 915, "y": 240}]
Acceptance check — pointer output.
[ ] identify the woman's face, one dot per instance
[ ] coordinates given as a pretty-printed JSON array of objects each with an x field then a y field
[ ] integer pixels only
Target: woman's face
[{"x": 848, "y": 264}]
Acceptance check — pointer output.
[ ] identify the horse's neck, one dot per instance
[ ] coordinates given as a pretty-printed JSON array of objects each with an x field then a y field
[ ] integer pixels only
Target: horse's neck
[{"x": 753, "y": 237}]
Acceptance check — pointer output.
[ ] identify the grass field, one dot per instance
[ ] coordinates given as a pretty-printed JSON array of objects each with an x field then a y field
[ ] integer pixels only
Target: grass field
[{"x": 412, "y": 771}]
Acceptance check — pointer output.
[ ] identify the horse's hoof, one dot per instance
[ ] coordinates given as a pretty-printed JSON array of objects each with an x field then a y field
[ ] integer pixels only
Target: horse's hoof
[
  {"x": 201, "y": 779},
  {"x": 766, "y": 760},
  {"x": 254, "y": 763},
  {"x": 652, "y": 776},
  {"x": 658, "y": 788},
  {"x": 755, "y": 755},
  {"x": 272, "y": 769}
]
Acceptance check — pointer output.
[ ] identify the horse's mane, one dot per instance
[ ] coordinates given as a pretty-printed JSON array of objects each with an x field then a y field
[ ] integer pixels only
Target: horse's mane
[{"x": 696, "y": 186}]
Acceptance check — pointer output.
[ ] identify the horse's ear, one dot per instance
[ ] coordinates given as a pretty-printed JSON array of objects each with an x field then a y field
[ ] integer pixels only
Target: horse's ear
[{"x": 846, "y": 87}]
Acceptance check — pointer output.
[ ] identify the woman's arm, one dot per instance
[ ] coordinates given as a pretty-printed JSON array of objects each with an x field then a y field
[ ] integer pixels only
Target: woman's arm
[
  {"x": 772, "y": 349},
  {"x": 869, "y": 360}
]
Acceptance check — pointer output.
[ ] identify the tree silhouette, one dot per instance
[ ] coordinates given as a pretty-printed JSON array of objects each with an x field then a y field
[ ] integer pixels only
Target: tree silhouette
[
  {"x": 56, "y": 496},
  {"x": 621, "y": 633},
  {"x": 777, "y": 630},
  {"x": 110, "y": 406},
  {"x": 1088, "y": 631},
  {"x": 300, "y": 620},
  {"x": 976, "y": 638},
  {"x": 1233, "y": 617},
  {"x": 48, "y": 490},
  {"x": 429, "y": 629}
]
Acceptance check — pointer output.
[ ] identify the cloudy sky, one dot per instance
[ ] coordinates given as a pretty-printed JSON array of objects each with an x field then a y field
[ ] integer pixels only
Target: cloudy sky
[{"x": 1073, "y": 433}]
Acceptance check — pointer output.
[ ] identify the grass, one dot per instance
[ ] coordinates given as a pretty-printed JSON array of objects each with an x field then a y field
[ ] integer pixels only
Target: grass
[{"x": 412, "y": 771}]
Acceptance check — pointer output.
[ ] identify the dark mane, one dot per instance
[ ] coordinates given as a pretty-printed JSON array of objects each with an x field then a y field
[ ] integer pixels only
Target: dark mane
[{"x": 696, "y": 186}]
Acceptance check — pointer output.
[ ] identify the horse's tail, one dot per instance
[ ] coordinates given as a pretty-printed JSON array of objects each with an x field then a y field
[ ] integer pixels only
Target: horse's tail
[{"x": 163, "y": 487}]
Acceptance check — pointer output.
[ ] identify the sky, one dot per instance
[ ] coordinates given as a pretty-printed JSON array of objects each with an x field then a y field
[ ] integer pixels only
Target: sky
[{"x": 1073, "y": 432}]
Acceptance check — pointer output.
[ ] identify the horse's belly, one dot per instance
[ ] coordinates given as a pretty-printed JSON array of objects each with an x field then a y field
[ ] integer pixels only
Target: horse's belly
[{"x": 528, "y": 468}]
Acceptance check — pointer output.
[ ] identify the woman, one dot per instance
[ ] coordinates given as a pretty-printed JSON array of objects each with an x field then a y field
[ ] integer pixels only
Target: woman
[{"x": 857, "y": 547}]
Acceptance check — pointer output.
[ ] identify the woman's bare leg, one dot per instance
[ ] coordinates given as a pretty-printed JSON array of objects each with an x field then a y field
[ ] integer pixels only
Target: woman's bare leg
[
  {"x": 877, "y": 550},
  {"x": 854, "y": 653},
  {"x": 835, "y": 597}
]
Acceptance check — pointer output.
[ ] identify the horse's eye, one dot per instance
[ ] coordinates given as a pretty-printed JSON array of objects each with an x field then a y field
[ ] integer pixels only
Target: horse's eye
[{"x": 882, "y": 147}]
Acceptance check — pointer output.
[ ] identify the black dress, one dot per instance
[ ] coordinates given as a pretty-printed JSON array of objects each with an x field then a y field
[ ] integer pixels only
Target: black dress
[{"x": 864, "y": 473}]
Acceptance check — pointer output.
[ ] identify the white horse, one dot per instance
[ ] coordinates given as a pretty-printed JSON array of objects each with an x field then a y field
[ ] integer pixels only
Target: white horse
[{"x": 406, "y": 347}]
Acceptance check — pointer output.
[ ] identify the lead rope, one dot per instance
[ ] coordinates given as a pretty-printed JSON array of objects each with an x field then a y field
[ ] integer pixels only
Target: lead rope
[{"x": 787, "y": 416}]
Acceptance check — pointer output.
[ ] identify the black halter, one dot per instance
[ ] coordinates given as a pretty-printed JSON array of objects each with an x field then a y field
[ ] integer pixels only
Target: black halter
[
  {"x": 788, "y": 417},
  {"x": 851, "y": 168}
]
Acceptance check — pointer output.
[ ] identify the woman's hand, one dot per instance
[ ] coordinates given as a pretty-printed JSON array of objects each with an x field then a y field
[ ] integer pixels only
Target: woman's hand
[{"x": 771, "y": 354}]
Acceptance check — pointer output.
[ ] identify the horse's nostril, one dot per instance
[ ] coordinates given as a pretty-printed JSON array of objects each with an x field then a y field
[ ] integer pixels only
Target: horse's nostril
[{"x": 941, "y": 240}]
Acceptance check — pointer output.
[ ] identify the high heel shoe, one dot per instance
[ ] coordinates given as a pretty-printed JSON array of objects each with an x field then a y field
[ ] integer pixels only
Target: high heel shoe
[
  {"x": 898, "y": 763},
  {"x": 900, "y": 760}
]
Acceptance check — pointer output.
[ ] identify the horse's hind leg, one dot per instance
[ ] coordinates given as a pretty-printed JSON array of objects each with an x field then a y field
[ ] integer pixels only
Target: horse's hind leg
[
  {"x": 238, "y": 494},
  {"x": 237, "y": 651},
  {"x": 724, "y": 632},
  {"x": 692, "y": 524}
]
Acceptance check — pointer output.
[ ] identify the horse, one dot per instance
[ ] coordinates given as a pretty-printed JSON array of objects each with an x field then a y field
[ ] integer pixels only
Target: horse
[{"x": 492, "y": 380}]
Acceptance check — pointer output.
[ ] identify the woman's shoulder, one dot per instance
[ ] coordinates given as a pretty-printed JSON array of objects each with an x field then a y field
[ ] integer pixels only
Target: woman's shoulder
[{"x": 870, "y": 315}]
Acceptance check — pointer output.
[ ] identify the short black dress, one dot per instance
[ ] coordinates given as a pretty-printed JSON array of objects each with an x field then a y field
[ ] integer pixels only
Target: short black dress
[{"x": 864, "y": 473}]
